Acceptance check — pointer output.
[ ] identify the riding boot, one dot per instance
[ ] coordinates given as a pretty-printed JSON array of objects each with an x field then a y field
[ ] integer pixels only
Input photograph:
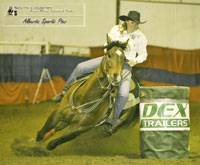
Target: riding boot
[{"x": 59, "y": 97}]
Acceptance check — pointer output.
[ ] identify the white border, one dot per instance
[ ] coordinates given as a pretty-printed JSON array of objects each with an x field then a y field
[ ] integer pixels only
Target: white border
[
  {"x": 51, "y": 26},
  {"x": 165, "y": 129}
]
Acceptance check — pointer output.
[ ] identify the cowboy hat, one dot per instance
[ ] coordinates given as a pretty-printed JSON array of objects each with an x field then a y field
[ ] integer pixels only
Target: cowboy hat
[{"x": 133, "y": 16}]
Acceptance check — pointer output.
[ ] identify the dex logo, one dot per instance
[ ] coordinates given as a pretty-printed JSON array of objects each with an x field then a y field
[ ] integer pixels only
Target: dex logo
[
  {"x": 165, "y": 110},
  {"x": 164, "y": 116}
]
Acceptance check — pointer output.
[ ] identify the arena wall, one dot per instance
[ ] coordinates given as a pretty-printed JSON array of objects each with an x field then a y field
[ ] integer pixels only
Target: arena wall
[
  {"x": 20, "y": 74},
  {"x": 172, "y": 31}
]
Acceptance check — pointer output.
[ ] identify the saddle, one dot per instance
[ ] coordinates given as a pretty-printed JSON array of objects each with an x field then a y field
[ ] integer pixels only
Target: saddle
[{"x": 133, "y": 97}]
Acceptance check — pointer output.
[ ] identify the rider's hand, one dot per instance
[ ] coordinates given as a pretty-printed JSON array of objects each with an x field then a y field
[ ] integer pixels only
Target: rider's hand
[{"x": 132, "y": 62}]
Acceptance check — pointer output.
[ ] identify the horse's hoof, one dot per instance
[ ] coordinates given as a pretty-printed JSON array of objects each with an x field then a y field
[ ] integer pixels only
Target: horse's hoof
[
  {"x": 51, "y": 145},
  {"x": 39, "y": 136}
]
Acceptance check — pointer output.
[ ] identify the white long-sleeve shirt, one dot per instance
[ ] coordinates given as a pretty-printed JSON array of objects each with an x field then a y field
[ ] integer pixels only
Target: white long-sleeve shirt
[{"x": 136, "y": 49}]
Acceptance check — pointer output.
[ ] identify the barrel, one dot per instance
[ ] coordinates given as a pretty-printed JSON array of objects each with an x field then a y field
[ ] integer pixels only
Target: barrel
[{"x": 164, "y": 122}]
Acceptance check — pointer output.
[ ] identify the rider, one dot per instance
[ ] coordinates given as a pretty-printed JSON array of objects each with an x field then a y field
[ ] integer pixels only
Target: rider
[{"x": 135, "y": 53}]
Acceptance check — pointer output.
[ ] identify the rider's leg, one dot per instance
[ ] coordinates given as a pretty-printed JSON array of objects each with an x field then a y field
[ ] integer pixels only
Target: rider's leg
[
  {"x": 81, "y": 68},
  {"x": 123, "y": 93}
]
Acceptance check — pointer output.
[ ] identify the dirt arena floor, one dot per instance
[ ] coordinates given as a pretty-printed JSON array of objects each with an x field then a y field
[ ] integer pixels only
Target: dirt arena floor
[{"x": 93, "y": 147}]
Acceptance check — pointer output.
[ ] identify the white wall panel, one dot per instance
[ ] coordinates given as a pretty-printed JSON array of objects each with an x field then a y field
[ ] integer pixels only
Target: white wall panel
[{"x": 169, "y": 25}]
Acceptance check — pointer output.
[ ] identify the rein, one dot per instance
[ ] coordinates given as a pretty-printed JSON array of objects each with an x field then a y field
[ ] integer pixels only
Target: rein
[
  {"x": 95, "y": 103},
  {"x": 98, "y": 78},
  {"x": 82, "y": 108},
  {"x": 126, "y": 74}
]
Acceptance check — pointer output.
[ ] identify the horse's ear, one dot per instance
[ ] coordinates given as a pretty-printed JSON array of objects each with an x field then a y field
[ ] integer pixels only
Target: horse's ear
[
  {"x": 126, "y": 43},
  {"x": 108, "y": 39}
]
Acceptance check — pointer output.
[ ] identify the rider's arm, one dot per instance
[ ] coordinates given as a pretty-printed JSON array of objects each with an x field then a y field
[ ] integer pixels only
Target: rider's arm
[
  {"x": 141, "y": 50},
  {"x": 113, "y": 34},
  {"x": 138, "y": 51}
]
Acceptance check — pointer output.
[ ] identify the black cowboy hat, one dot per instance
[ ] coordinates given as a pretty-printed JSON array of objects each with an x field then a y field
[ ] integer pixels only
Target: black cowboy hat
[{"x": 133, "y": 16}]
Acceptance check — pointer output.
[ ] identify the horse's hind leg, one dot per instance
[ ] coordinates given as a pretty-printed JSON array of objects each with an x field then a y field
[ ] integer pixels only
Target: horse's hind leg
[
  {"x": 67, "y": 137},
  {"x": 51, "y": 123}
]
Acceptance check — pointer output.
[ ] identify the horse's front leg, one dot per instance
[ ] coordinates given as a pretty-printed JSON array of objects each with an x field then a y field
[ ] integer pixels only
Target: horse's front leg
[
  {"x": 67, "y": 137},
  {"x": 51, "y": 123}
]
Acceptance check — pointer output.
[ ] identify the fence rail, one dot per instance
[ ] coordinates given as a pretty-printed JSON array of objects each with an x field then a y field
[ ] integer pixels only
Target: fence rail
[{"x": 46, "y": 47}]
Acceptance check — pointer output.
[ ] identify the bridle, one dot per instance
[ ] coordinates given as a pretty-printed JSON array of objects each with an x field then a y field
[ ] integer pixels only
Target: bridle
[
  {"x": 102, "y": 67},
  {"x": 104, "y": 71}
]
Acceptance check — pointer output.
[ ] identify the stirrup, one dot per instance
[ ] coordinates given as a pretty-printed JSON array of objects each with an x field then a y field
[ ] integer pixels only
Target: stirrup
[
  {"x": 108, "y": 128},
  {"x": 101, "y": 122},
  {"x": 58, "y": 98}
]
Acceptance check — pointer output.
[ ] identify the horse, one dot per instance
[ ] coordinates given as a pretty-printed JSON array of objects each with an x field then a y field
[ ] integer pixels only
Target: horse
[{"x": 87, "y": 101}]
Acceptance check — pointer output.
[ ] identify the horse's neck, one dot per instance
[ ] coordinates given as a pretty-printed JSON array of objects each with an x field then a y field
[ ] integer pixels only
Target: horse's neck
[
  {"x": 97, "y": 80},
  {"x": 92, "y": 88}
]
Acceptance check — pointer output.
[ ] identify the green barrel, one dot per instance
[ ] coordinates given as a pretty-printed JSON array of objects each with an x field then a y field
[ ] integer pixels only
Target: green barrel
[{"x": 164, "y": 122}]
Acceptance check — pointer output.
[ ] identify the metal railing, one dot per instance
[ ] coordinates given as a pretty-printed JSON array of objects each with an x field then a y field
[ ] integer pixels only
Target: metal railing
[{"x": 46, "y": 47}]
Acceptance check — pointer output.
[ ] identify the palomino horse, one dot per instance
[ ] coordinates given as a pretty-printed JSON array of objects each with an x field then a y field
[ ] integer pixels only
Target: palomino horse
[{"x": 87, "y": 101}]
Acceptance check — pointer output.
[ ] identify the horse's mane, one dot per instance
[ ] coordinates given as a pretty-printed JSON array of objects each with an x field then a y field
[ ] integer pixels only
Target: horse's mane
[{"x": 115, "y": 43}]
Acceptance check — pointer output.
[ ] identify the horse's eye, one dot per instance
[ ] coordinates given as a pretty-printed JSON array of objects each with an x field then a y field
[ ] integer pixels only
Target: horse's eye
[
  {"x": 126, "y": 60},
  {"x": 109, "y": 55}
]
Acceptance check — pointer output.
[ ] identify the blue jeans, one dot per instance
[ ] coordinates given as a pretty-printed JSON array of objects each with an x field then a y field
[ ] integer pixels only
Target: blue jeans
[{"x": 90, "y": 65}]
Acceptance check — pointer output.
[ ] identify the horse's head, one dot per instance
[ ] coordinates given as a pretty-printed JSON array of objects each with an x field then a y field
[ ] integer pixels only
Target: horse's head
[{"x": 114, "y": 60}]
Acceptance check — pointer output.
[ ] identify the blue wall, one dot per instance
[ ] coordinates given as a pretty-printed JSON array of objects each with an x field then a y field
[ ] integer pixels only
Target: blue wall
[{"x": 28, "y": 68}]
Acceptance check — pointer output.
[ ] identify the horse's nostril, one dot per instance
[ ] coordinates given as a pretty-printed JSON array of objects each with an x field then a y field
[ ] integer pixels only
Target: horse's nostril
[
  {"x": 109, "y": 65},
  {"x": 117, "y": 78},
  {"x": 115, "y": 75}
]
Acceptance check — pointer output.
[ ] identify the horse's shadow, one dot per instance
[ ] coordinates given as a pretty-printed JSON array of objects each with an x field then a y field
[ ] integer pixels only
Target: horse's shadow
[{"x": 97, "y": 142}]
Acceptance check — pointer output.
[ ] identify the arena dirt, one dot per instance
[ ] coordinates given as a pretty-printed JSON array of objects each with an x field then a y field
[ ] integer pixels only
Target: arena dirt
[{"x": 20, "y": 123}]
